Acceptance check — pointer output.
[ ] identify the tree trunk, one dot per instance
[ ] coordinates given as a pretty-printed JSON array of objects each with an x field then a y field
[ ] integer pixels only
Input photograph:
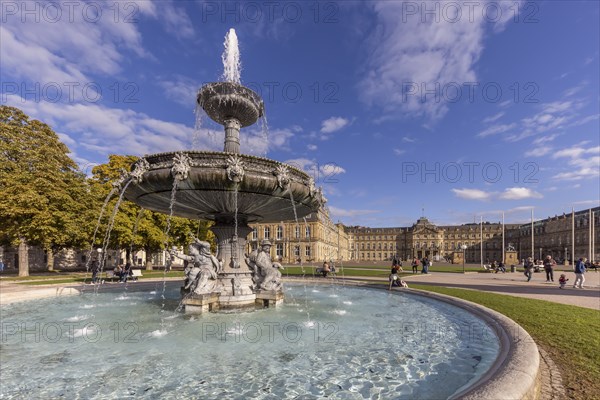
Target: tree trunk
[
  {"x": 148, "y": 260},
  {"x": 49, "y": 258},
  {"x": 23, "y": 252}
]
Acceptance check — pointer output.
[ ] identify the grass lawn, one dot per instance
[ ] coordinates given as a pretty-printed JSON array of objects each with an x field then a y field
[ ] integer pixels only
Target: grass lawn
[{"x": 570, "y": 334}]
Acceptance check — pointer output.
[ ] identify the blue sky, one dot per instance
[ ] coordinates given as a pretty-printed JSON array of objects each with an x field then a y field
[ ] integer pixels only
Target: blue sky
[{"x": 463, "y": 109}]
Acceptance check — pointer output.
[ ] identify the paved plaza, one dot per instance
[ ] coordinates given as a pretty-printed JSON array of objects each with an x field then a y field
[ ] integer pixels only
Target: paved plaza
[{"x": 513, "y": 284}]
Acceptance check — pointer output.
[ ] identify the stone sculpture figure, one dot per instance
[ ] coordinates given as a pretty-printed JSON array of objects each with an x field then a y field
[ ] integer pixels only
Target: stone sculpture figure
[
  {"x": 203, "y": 267},
  {"x": 265, "y": 272}
]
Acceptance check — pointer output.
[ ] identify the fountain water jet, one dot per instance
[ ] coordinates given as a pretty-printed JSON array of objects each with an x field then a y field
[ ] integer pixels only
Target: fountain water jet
[{"x": 230, "y": 188}]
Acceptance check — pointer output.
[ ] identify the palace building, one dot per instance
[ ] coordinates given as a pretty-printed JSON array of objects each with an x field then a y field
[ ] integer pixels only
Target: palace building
[{"x": 317, "y": 238}]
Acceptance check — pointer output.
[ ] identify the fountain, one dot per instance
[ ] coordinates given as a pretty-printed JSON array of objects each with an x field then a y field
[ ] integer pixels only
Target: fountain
[
  {"x": 357, "y": 343},
  {"x": 230, "y": 188}
]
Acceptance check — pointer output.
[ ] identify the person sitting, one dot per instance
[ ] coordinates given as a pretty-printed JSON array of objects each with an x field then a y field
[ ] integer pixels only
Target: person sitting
[
  {"x": 126, "y": 273},
  {"x": 326, "y": 269},
  {"x": 500, "y": 268},
  {"x": 397, "y": 263},
  {"x": 118, "y": 272}
]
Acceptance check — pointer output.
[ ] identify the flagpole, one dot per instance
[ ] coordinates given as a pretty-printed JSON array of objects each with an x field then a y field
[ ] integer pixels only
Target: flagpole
[
  {"x": 481, "y": 241},
  {"x": 573, "y": 236},
  {"x": 590, "y": 223},
  {"x": 503, "y": 244},
  {"x": 532, "y": 237},
  {"x": 593, "y": 237}
]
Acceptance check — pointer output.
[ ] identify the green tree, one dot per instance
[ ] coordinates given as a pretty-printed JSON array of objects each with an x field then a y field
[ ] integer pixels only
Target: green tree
[{"x": 44, "y": 199}]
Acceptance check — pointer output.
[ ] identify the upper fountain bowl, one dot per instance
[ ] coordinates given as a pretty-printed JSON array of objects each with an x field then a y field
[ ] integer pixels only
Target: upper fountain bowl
[
  {"x": 227, "y": 100},
  {"x": 267, "y": 190}
]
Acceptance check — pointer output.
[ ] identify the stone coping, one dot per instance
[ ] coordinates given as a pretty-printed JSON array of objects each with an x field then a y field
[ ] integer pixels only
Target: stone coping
[{"x": 513, "y": 375}]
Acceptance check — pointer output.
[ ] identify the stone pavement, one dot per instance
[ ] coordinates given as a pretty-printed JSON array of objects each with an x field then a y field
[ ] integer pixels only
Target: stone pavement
[{"x": 515, "y": 284}]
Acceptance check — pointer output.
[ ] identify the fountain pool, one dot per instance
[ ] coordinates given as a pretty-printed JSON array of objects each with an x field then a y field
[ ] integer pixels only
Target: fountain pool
[{"x": 340, "y": 342}]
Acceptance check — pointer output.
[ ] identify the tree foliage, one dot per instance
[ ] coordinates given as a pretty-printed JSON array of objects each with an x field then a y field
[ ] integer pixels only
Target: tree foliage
[{"x": 44, "y": 199}]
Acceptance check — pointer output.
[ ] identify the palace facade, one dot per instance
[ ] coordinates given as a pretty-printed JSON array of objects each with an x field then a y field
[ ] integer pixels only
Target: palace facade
[{"x": 316, "y": 238}]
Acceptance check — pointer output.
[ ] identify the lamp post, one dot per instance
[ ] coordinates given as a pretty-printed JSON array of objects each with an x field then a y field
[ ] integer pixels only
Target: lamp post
[
  {"x": 100, "y": 266},
  {"x": 463, "y": 247}
]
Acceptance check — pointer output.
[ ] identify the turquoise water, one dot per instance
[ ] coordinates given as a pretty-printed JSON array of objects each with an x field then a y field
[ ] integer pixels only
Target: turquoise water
[{"x": 339, "y": 342}]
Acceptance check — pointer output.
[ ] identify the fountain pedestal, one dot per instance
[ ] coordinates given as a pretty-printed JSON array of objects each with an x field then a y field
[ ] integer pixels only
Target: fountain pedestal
[
  {"x": 236, "y": 278},
  {"x": 269, "y": 298},
  {"x": 200, "y": 303}
]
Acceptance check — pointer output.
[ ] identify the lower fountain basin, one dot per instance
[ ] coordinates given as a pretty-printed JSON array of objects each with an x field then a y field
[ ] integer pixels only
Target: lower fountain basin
[
  {"x": 209, "y": 193},
  {"x": 324, "y": 341}
]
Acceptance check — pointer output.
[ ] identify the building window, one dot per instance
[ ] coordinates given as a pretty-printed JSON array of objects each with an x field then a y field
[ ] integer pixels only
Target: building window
[
  {"x": 307, "y": 251},
  {"x": 279, "y": 232},
  {"x": 297, "y": 251},
  {"x": 279, "y": 250},
  {"x": 254, "y": 234},
  {"x": 267, "y": 232},
  {"x": 297, "y": 232},
  {"x": 307, "y": 232}
]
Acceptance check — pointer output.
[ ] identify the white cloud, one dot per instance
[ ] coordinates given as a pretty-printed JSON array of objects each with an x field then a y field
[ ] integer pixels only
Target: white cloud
[
  {"x": 399, "y": 152},
  {"x": 105, "y": 130},
  {"x": 472, "y": 194},
  {"x": 340, "y": 212},
  {"x": 496, "y": 129},
  {"x": 515, "y": 193},
  {"x": 520, "y": 193},
  {"x": 329, "y": 173},
  {"x": 304, "y": 164},
  {"x": 493, "y": 118},
  {"x": 181, "y": 90},
  {"x": 408, "y": 57},
  {"x": 312, "y": 147},
  {"x": 551, "y": 117},
  {"x": 538, "y": 151},
  {"x": 175, "y": 20},
  {"x": 544, "y": 139},
  {"x": 592, "y": 203},
  {"x": 576, "y": 151},
  {"x": 334, "y": 124},
  {"x": 584, "y": 163},
  {"x": 69, "y": 48},
  {"x": 408, "y": 139}
]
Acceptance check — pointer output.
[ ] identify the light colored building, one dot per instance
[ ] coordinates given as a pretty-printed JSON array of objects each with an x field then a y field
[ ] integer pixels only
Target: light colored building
[{"x": 314, "y": 238}]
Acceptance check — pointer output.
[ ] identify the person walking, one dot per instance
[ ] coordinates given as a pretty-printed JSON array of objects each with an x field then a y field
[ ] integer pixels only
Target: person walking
[
  {"x": 528, "y": 265},
  {"x": 425, "y": 265},
  {"x": 95, "y": 270},
  {"x": 415, "y": 265},
  {"x": 579, "y": 273},
  {"x": 549, "y": 264}
]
